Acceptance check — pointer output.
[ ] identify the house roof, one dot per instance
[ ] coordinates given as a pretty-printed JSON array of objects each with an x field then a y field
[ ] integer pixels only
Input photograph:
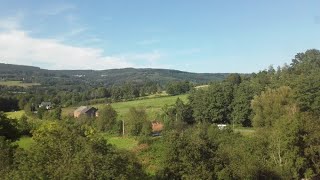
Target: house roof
[
  {"x": 46, "y": 103},
  {"x": 157, "y": 126},
  {"x": 83, "y": 109}
]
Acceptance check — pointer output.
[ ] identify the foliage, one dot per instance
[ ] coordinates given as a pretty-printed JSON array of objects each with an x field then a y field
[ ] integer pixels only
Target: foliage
[
  {"x": 176, "y": 88},
  {"x": 307, "y": 92},
  {"x": 8, "y": 127},
  {"x": 8, "y": 104},
  {"x": 191, "y": 155},
  {"x": 177, "y": 116},
  {"x": 271, "y": 105},
  {"x": 65, "y": 151},
  {"x": 212, "y": 105},
  {"x": 282, "y": 130},
  {"x": 25, "y": 142},
  {"x": 6, "y": 156},
  {"x": 106, "y": 120},
  {"x": 24, "y": 126},
  {"x": 56, "y": 113},
  {"x": 241, "y": 105},
  {"x": 234, "y": 79},
  {"x": 311, "y": 140},
  {"x": 243, "y": 158},
  {"x": 137, "y": 123}
]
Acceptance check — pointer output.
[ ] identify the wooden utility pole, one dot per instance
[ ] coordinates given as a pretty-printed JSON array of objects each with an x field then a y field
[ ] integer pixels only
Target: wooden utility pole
[{"x": 122, "y": 127}]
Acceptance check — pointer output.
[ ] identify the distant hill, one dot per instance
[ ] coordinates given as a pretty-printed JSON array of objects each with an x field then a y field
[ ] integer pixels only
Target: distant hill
[{"x": 103, "y": 77}]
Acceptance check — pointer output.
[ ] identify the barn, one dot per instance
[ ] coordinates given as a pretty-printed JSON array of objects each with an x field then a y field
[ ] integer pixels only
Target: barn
[{"x": 85, "y": 110}]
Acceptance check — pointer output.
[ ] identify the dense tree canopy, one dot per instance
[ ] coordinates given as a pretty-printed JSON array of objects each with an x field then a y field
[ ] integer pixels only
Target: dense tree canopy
[
  {"x": 213, "y": 105},
  {"x": 175, "y": 88},
  {"x": 67, "y": 151},
  {"x": 107, "y": 118},
  {"x": 137, "y": 122}
]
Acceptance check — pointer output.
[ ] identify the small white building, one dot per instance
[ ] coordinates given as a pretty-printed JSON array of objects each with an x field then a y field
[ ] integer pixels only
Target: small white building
[
  {"x": 47, "y": 105},
  {"x": 221, "y": 126}
]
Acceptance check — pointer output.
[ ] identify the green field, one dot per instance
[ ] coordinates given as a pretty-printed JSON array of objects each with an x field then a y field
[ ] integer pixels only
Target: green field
[
  {"x": 126, "y": 143},
  {"x": 18, "y": 83},
  {"x": 202, "y": 86},
  {"x": 244, "y": 131},
  {"x": 152, "y": 105},
  {"x": 15, "y": 114}
]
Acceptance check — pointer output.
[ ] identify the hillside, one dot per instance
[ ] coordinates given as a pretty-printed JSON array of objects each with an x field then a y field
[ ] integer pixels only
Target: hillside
[{"x": 102, "y": 77}]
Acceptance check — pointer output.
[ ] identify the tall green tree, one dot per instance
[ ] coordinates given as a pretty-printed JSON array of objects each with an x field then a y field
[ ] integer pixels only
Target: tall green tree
[
  {"x": 307, "y": 92},
  {"x": 280, "y": 126},
  {"x": 7, "y": 151},
  {"x": 107, "y": 118},
  {"x": 137, "y": 122},
  {"x": 271, "y": 105},
  {"x": 234, "y": 79},
  {"x": 311, "y": 144},
  {"x": 56, "y": 113},
  {"x": 241, "y": 104},
  {"x": 213, "y": 105},
  {"x": 191, "y": 154}
]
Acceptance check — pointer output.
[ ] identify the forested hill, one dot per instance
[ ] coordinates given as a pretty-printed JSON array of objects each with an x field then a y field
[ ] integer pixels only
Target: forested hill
[{"x": 106, "y": 77}]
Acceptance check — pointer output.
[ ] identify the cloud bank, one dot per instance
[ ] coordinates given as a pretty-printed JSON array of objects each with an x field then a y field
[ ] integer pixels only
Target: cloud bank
[{"x": 18, "y": 47}]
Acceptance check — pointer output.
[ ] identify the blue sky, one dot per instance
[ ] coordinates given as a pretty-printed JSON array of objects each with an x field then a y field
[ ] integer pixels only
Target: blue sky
[{"x": 197, "y": 36}]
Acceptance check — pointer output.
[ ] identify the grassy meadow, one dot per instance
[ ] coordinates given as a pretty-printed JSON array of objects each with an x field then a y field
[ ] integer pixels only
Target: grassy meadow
[
  {"x": 245, "y": 131},
  {"x": 126, "y": 143},
  {"x": 15, "y": 114},
  {"x": 18, "y": 83},
  {"x": 152, "y": 105},
  {"x": 202, "y": 87}
]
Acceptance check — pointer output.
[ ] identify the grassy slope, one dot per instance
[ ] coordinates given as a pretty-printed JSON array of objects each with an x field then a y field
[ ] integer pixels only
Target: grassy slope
[
  {"x": 245, "y": 131},
  {"x": 152, "y": 105},
  {"x": 18, "y": 83},
  {"x": 15, "y": 114},
  {"x": 126, "y": 143},
  {"x": 202, "y": 86}
]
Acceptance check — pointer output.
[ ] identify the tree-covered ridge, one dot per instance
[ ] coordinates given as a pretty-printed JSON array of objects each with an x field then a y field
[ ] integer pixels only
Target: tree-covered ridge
[
  {"x": 102, "y": 77},
  {"x": 75, "y": 87}
]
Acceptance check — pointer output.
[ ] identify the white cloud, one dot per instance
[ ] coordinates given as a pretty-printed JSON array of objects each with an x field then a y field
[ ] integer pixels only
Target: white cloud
[{"x": 17, "y": 47}]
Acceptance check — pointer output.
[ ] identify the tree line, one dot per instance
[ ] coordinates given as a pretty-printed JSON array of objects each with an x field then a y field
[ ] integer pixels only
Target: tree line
[{"x": 281, "y": 105}]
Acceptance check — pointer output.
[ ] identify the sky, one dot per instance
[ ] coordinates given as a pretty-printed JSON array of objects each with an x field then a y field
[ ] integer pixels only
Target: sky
[{"x": 197, "y": 36}]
